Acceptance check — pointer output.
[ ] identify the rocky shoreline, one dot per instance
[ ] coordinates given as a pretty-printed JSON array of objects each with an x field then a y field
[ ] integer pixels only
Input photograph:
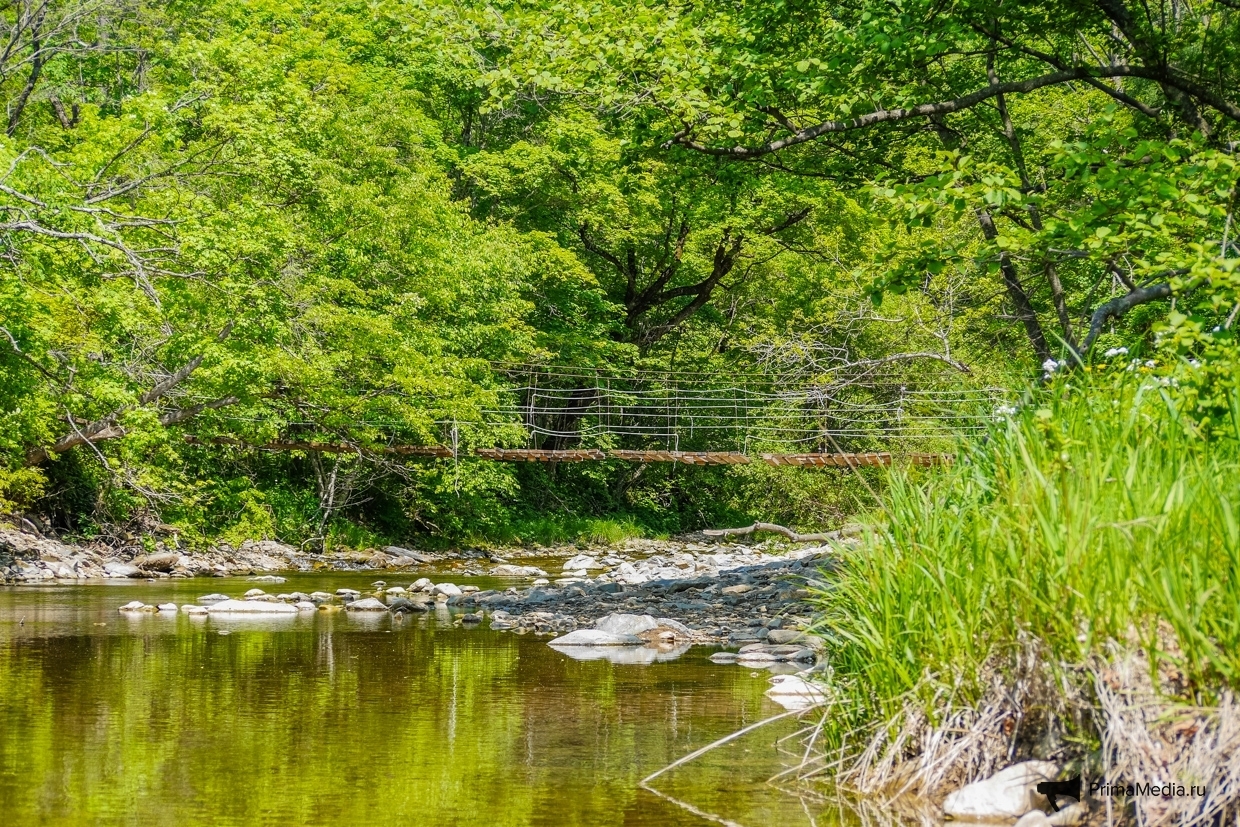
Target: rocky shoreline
[{"x": 738, "y": 595}]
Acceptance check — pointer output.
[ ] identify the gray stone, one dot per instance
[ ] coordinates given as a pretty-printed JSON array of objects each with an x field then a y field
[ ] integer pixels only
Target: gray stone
[
  {"x": 167, "y": 607},
  {"x": 724, "y": 657},
  {"x": 402, "y": 605},
  {"x": 348, "y": 593},
  {"x": 398, "y": 552},
  {"x": 266, "y": 578},
  {"x": 595, "y": 637},
  {"x": 1005, "y": 796},
  {"x": 447, "y": 589},
  {"x": 787, "y": 636},
  {"x": 254, "y": 593},
  {"x": 191, "y": 609},
  {"x": 582, "y": 561},
  {"x": 304, "y": 606},
  {"x": 164, "y": 562},
  {"x": 118, "y": 570},
  {"x": 508, "y": 570},
  {"x": 213, "y": 598},
  {"x": 625, "y": 624},
  {"x": 367, "y": 604},
  {"x": 136, "y": 606}
]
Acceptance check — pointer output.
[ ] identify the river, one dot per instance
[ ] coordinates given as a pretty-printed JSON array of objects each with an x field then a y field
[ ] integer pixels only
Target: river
[{"x": 333, "y": 718}]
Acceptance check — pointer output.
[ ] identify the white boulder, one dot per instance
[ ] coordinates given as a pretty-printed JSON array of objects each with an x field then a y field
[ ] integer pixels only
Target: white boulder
[
  {"x": 367, "y": 604},
  {"x": 1005, "y": 796},
  {"x": 509, "y": 570},
  {"x": 595, "y": 637},
  {"x": 448, "y": 589},
  {"x": 582, "y": 561},
  {"x": 625, "y": 624},
  {"x": 250, "y": 607}
]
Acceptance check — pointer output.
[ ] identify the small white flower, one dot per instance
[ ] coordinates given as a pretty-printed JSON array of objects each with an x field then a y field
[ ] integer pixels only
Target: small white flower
[
  {"x": 1193, "y": 363},
  {"x": 1004, "y": 410},
  {"x": 1115, "y": 351},
  {"x": 1050, "y": 366},
  {"x": 1151, "y": 364}
]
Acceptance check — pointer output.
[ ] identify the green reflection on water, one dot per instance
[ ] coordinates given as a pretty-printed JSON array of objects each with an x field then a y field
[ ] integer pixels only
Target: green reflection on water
[{"x": 319, "y": 719}]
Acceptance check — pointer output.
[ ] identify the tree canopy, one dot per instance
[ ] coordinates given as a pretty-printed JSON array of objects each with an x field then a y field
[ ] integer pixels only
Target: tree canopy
[{"x": 289, "y": 221}]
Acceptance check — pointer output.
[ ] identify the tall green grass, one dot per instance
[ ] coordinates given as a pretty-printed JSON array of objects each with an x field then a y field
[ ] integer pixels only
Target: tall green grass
[{"x": 1094, "y": 514}]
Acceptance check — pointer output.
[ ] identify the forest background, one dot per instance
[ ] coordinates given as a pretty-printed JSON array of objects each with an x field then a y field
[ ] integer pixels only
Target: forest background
[{"x": 340, "y": 221}]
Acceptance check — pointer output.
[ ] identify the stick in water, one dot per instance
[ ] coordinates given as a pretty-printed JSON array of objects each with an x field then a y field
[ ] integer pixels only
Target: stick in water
[{"x": 719, "y": 743}]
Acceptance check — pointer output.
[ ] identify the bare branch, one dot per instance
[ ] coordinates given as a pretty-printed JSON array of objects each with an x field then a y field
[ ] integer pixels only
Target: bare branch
[{"x": 1164, "y": 76}]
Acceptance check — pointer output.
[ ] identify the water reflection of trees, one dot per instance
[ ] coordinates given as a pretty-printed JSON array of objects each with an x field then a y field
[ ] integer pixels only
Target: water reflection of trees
[{"x": 330, "y": 721}]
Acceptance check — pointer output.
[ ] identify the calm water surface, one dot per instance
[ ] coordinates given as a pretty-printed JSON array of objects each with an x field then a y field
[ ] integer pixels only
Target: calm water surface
[{"x": 329, "y": 718}]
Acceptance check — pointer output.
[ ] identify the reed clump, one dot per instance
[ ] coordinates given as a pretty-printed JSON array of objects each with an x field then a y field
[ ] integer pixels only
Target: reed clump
[{"x": 1081, "y": 558}]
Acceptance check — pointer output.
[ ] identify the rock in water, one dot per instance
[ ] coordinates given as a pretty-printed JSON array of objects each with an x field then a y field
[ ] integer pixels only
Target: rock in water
[
  {"x": 167, "y": 607},
  {"x": 625, "y": 624},
  {"x": 136, "y": 606},
  {"x": 448, "y": 589},
  {"x": 367, "y": 604},
  {"x": 251, "y": 607},
  {"x": 266, "y": 578},
  {"x": 1005, "y": 796},
  {"x": 304, "y": 606},
  {"x": 213, "y": 598},
  {"x": 582, "y": 561},
  {"x": 509, "y": 570},
  {"x": 794, "y": 692},
  {"x": 595, "y": 637},
  {"x": 191, "y": 609}
]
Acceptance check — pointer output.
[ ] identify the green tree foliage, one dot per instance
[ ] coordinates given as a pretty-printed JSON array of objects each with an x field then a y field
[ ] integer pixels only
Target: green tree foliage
[{"x": 297, "y": 221}]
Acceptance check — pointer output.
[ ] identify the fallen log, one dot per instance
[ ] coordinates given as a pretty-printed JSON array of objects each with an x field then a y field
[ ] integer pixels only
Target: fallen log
[{"x": 778, "y": 529}]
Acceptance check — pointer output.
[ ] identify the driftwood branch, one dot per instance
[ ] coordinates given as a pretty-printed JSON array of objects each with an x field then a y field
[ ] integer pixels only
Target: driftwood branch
[
  {"x": 778, "y": 529},
  {"x": 109, "y": 427}
]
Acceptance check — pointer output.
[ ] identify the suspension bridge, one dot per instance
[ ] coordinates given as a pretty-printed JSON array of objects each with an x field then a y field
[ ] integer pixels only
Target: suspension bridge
[{"x": 845, "y": 419}]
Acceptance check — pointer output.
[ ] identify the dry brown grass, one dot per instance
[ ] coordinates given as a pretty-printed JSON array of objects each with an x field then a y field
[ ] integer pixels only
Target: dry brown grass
[
  {"x": 908, "y": 764},
  {"x": 1149, "y": 737}
]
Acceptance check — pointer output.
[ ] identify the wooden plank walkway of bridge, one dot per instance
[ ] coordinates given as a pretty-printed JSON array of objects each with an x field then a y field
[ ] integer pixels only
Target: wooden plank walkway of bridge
[{"x": 807, "y": 460}]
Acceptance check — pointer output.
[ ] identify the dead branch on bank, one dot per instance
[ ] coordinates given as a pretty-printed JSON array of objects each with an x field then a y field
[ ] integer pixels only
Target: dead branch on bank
[{"x": 824, "y": 537}]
